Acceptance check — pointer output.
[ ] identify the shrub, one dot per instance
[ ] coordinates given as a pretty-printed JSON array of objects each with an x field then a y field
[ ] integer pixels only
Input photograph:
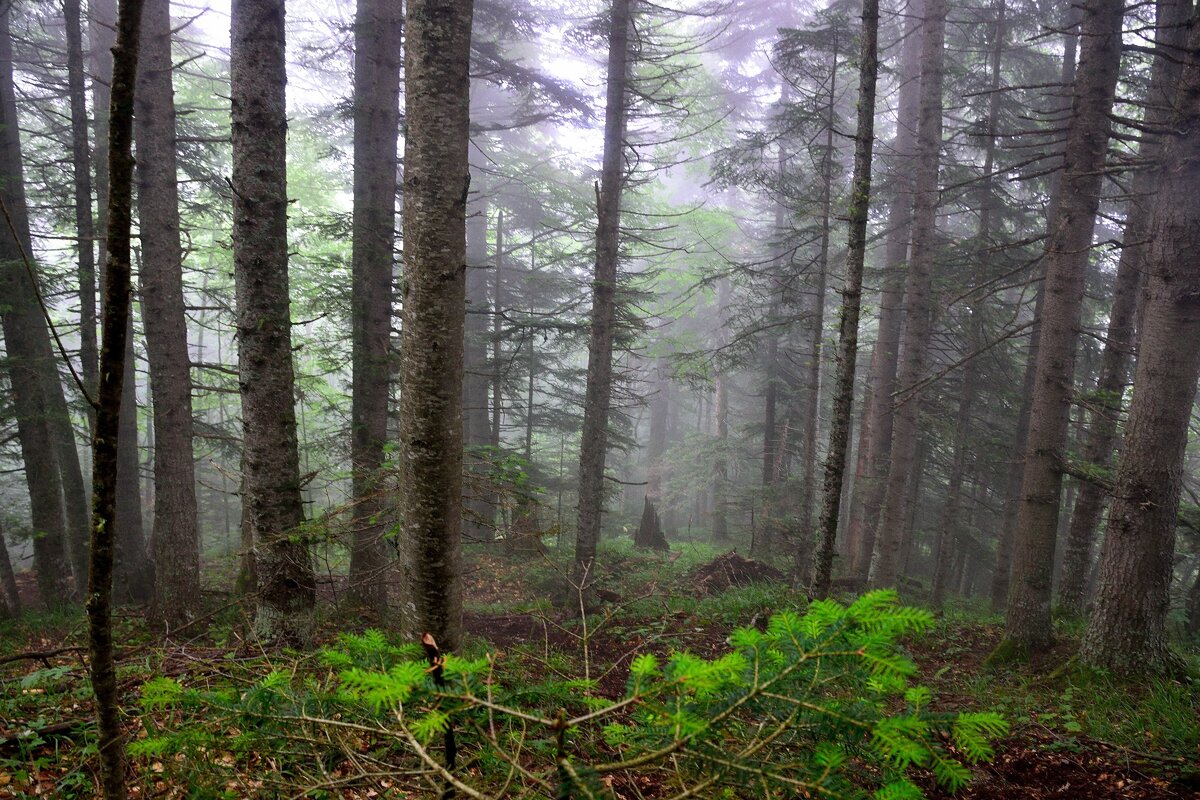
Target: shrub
[{"x": 818, "y": 705}]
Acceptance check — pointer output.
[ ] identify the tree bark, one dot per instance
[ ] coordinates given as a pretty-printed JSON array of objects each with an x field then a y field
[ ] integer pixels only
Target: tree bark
[
  {"x": 377, "y": 55},
  {"x": 176, "y": 542},
  {"x": 918, "y": 301},
  {"x": 598, "y": 394},
  {"x": 878, "y": 414},
  {"x": 847, "y": 353},
  {"x": 8, "y": 581},
  {"x": 271, "y": 472},
  {"x": 32, "y": 367},
  {"x": 951, "y": 520},
  {"x": 720, "y": 483},
  {"x": 1012, "y": 504},
  {"x": 480, "y": 504},
  {"x": 1119, "y": 338},
  {"x": 805, "y": 541},
  {"x": 118, "y": 291},
  {"x": 1028, "y": 624},
  {"x": 77, "y": 512},
  {"x": 1127, "y": 630},
  {"x": 436, "y": 182}
]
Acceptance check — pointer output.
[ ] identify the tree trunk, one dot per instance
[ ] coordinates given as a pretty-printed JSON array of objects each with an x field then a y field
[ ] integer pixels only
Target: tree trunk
[
  {"x": 598, "y": 394},
  {"x": 8, "y": 581},
  {"x": 656, "y": 443},
  {"x": 436, "y": 182},
  {"x": 847, "y": 353},
  {"x": 1028, "y": 625},
  {"x": 480, "y": 505},
  {"x": 918, "y": 301},
  {"x": 118, "y": 292},
  {"x": 951, "y": 521},
  {"x": 720, "y": 484},
  {"x": 77, "y": 512},
  {"x": 1119, "y": 338},
  {"x": 377, "y": 29},
  {"x": 33, "y": 374},
  {"x": 812, "y": 399},
  {"x": 878, "y": 414},
  {"x": 271, "y": 470},
  {"x": 1016, "y": 471},
  {"x": 1127, "y": 630},
  {"x": 175, "y": 540}
]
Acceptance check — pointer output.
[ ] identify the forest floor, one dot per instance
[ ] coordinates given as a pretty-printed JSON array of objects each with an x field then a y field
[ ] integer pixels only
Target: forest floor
[{"x": 1072, "y": 736}]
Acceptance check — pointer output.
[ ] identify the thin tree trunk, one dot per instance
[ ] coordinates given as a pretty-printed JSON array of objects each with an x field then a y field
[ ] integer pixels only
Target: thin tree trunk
[
  {"x": 598, "y": 394},
  {"x": 918, "y": 301},
  {"x": 1127, "y": 630},
  {"x": 1028, "y": 625},
  {"x": 480, "y": 505},
  {"x": 77, "y": 513},
  {"x": 271, "y": 493},
  {"x": 656, "y": 441},
  {"x": 436, "y": 182},
  {"x": 847, "y": 353},
  {"x": 377, "y": 29},
  {"x": 970, "y": 377},
  {"x": 176, "y": 542},
  {"x": 878, "y": 414},
  {"x": 808, "y": 481},
  {"x": 720, "y": 483},
  {"x": 1170, "y": 17},
  {"x": 118, "y": 293}
]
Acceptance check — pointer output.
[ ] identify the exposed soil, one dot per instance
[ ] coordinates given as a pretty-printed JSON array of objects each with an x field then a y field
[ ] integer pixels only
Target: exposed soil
[{"x": 730, "y": 570}]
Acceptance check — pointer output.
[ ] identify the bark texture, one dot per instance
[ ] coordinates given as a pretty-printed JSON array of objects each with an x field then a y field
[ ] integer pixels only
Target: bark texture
[
  {"x": 1126, "y": 632},
  {"x": 918, "y": 302},
  {"x": 175, "y": 541},
  {"x": 875, "y": 437},
  {"x": 598, "y": 394},
  {"x": 377, "y": 57},
  {"x": 1105, "y": 401},
  {"x": 847, "y": 352},
  {"x": 436, "y": 182},
  {"x": 270, "y": 464},
  {"x": 31, "y": 364},
  {"x": 114, "y": 350},
  {"x": 1028, "y": 626}
]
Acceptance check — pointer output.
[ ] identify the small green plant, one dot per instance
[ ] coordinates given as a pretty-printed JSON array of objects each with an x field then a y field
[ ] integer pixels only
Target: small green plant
[{"x": 821, "y": 703}]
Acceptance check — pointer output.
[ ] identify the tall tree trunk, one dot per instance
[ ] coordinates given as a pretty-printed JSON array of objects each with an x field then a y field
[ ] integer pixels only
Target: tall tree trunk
[
  {"x": 918, "y": 301},
  {"x": 377, "y": 29},
  {"x": 598, "y": 395},
  {"x": 480, "y": 505},
  {"x": 118, "y": 291},
  {"x": 812, "y": 397},
  {"x": 77, "y": 512},
  {"x": 176, "y": 540},
  {"x": 847, "y": 353},
  {"x": 271, "y": 467},
  {"x": 975, "y": 339},
  {"x": 134, "y": 580},
  {"x": 720, "y": 483},
  {"x": 878, "y": 414},
  {"x": 1170, "y": 18},
  {"x": 32, "y": 369},
  {"x": 1028, "y": 626},
  {"x": 1127, "y": 630},
  {"x": 436, "y": 182},
  {"x": 656, "y": 442},
  {"x": 1016, "y": 470}
]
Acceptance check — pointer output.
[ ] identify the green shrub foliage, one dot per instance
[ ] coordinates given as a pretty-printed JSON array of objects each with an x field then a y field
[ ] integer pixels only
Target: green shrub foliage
[{"x": 819, "y": 705}]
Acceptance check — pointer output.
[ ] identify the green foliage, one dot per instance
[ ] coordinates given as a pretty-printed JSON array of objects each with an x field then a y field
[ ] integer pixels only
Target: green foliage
[{"x": 819, "y": 702}]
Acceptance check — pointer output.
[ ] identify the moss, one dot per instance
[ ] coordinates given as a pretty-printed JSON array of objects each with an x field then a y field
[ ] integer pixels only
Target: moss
[{"x": 1009, "y": 651}]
